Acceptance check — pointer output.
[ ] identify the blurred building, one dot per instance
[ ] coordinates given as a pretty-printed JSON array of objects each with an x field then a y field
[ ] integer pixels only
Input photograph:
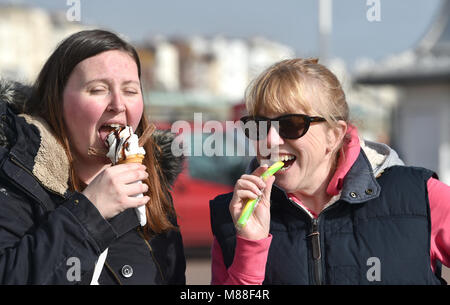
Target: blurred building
[
  {"x": 217, "y": 65},
  {"x": 28, "y": 35},
  {"x": 203, "y": 74},
  {"x": 370, "y": 108},
  {"x": 167, "y": 72},
  {"x": 421, "y": 120},
  {"x": 263, "y": 53}
]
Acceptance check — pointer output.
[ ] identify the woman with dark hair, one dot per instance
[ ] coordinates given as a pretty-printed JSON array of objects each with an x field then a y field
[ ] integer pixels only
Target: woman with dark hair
[{"x": 60, "y": 206}]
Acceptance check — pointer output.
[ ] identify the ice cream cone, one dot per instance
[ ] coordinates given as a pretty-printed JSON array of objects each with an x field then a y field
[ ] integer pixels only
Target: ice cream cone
[
  {"x": 140, "y": 211},
  {"x": 133, "y": 159}
]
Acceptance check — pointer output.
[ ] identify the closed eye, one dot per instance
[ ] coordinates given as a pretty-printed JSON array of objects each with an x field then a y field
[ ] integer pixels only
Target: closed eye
[
  {"x": 131, "y": 91},
  {"x": 98, "y": 90}
]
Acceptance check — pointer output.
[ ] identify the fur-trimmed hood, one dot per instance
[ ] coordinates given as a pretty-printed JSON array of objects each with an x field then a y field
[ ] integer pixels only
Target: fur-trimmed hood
[{"x": 42, "y": 155}]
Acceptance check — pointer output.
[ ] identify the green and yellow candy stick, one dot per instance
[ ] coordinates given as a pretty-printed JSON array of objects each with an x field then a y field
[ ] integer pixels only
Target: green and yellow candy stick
[{"x": 252, "y": 203}]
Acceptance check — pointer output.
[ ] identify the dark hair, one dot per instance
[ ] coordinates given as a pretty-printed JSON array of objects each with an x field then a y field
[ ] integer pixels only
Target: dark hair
[
  {"x": 47, "y": 102},
  {"x": 70, "y": 52}
]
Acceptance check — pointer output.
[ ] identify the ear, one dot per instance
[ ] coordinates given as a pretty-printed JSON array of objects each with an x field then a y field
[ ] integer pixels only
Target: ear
[{"x": 335, "y": 136}]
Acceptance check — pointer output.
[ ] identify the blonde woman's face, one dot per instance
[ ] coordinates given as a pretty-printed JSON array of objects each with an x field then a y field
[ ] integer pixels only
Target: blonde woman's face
[
  {"x": 310, "y": 154},
  {"x": 101, "y": 90}
]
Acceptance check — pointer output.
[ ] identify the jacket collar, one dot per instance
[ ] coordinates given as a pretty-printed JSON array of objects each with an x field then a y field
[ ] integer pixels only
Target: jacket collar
[
  {"x": 360, "y": 184},
  {"x": 50, "y": 165},
  {"x": 29, "y": 147}
]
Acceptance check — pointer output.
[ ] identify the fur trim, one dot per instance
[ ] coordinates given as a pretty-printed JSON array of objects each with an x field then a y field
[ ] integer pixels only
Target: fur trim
[
  {"x": 51, "y": 165},
  {"x": 15, "y": 94},
  {"x": 375, "y": 158},
  {"x": 171, "y": 166}
]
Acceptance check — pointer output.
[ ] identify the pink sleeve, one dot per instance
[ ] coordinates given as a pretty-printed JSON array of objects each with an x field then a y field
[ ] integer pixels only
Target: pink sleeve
[
  {"x": 249, "y": 263},
  {"x": 439, "y": 198}
]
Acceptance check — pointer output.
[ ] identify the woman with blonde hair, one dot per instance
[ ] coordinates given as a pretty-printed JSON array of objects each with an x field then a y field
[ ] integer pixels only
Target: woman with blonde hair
[
  {"x": 341, "y": 210},
  {"x": 61, "y": 206}
]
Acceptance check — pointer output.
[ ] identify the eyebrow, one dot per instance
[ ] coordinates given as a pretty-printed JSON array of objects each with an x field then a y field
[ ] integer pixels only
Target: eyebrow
[{"x": 108, "y": 80}]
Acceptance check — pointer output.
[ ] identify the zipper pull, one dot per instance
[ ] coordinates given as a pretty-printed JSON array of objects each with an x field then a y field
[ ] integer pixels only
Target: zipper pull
[
  {"x": 316, "y": 252},
  {"x": 315, "y": 239}
]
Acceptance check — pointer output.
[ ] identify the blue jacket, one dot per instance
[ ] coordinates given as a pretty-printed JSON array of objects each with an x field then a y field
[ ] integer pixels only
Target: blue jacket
[{"x": 378, "y": 232}]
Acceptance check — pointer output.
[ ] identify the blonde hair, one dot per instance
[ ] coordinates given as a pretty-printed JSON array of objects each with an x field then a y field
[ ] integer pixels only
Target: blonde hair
[{"x": 298, "y": 86}]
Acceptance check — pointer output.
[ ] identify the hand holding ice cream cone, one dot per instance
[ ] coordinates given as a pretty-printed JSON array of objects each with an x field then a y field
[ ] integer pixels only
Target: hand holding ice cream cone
[{"x": 124, "y": 148}]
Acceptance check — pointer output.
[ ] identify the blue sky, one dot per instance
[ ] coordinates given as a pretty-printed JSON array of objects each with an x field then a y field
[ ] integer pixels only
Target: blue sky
[{"x": 291, "y": 22}]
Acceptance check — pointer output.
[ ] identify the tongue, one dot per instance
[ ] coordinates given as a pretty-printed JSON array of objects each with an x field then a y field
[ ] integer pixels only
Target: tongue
[
  {"x": 104, "y": 131},
  {"x": 288, "y": 163}
]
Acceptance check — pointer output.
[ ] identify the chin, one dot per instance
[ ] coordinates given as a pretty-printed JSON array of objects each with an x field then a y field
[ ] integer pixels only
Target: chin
[
  {"x": 283, "y": 182},
  {"x": 288, "y": 181}
]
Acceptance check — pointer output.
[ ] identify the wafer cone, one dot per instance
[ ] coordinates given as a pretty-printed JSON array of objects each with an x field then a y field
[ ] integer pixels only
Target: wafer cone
[
  {"x": 133, "y": 159},
  {"x": 140, "y": 211}
]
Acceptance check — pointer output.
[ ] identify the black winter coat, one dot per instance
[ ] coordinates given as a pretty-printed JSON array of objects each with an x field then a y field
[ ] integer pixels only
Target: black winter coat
[{"x": 49, "y": 235}]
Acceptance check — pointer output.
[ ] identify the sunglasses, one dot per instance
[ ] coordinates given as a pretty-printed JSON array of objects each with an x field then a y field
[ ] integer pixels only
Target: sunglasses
[{"x": 290, "y": 126}]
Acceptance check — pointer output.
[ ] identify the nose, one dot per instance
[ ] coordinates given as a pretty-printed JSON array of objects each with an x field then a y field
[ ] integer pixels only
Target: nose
[
  {"x": 116, "y": 103},
  {"x": 273, "y": 137},
  {"x": 269, "y": 146}
]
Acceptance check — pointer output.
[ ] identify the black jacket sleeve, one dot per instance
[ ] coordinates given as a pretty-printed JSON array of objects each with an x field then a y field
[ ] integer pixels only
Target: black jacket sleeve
[{"x": 55, "y": 247}]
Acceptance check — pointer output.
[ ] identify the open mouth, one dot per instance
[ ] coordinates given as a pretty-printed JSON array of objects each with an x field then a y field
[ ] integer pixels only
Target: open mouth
[
  {"x": 287, "y": 159},
  {"x": 106, "y": 129}
]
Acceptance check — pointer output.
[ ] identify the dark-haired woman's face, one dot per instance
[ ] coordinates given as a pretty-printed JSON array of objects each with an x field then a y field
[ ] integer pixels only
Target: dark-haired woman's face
[{"x": 101, "y": 90}]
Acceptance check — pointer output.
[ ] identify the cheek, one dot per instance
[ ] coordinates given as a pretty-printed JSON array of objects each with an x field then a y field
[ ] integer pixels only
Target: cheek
[
  {"x": 80, "y": 116},
  {"x": 312, "y": 154},
  {"x": 309, "y": 150},
  {"x": 79, "y": 109},
  {"x": 316, "y": 141},
  {"x": 134, "y": 113}
]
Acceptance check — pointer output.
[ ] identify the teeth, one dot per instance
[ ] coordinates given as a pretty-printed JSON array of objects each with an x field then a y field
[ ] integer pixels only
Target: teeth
[
  {"x": 286, "y": 158},
  {"x": 114, "y": 125},
  {"x": 273, "y": 159}
]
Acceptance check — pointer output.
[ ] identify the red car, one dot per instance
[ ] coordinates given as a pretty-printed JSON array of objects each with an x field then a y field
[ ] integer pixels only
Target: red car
[
  {"x": 203, "y": 178},
  {"x": 191, "y": 199}
]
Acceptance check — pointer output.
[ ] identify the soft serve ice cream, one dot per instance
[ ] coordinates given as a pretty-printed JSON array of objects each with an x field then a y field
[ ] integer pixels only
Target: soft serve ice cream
[{"x": 124, "y": 146}]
